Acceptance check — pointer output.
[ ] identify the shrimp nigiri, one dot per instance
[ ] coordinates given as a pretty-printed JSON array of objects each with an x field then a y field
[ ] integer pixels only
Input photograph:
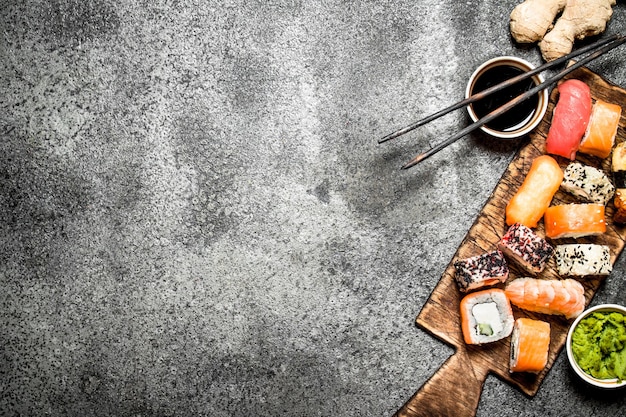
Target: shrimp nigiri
[
  {"x": 602, "y": 129},
  {"x": 530, "y": 343},
  {"x": 570, "y": 119},
  {"x": 574, "y": 220},
  {"x": 548, "y": 296}
]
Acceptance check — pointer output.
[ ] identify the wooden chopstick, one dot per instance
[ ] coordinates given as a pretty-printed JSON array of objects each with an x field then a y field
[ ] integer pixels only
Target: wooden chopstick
[
  {"x": 511, "y": 81},
  {"x": 608, "y": 45},
  {"x": 482, "y": 94}
]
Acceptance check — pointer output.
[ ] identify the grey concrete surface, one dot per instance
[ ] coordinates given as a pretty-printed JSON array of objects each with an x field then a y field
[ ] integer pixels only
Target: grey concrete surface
[{"x": 196, "y": 218}]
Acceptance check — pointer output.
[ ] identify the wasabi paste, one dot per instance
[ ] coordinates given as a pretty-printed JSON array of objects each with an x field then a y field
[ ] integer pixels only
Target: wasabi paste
[{"x": 599, "y": 343}]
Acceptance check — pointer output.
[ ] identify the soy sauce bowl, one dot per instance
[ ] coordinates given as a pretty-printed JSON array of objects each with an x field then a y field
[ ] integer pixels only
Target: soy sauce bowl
[{"x": 521, "y": 119}]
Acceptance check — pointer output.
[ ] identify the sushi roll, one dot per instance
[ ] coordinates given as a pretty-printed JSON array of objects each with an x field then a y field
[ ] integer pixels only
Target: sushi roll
[
  {"x": 482, "y": 270},
  {"x": 564, "y": 297},
  {"x": 530, "y": 344},
  {"x": 574, "y": 220},
  {"x": 526, "y": 248},
  {"x": 486, "y": 316},
  {"x": 618, "y": 167},
  {"x": 602, "y": 129},
  {"x": 583, "y": 259},
  {"x": 535, "y": 194},
  {"x": 619, "y": 216},
  {"x": 570, "y": 119},
  {"x": 588, "y": 183}
]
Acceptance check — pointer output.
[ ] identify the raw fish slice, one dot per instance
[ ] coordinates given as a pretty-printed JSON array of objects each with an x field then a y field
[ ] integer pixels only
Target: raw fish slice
[
  {"x": 600, "y": 135},
  {"x": 574, "y": 220},
  {"x": 569, "y": 119}
]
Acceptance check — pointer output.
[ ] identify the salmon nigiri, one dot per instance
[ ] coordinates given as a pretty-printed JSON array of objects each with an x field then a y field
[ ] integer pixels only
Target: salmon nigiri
[
  {"x": 548, "y": 296},
  {"x": 535, "y": 194},
  {"x": 602, "y": 129},
  {"x": 574, "y": 220},
  {"x": 530, "y": 343},
  {"x": 570, "y": 119}
]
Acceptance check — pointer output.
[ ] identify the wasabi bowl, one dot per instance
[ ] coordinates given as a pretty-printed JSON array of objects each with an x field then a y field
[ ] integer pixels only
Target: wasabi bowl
[{"x": 596, "y": 346}]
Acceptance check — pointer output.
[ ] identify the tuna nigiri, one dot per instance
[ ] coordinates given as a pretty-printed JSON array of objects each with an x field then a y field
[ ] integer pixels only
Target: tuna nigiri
[
  {"x": 574, "y": 220},
  {"x": 600, "y": 135},
  {"x": 570, "y": 119},
  {"x": 486, "y": 316},
  {"x": 548, "y": 296},
  {"x": 535, "y": 194},
  {"x": 530, "y": 343}
]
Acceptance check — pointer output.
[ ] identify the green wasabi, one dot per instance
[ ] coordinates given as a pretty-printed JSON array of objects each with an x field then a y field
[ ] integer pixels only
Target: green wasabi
[{"x": 599, "y": 345}]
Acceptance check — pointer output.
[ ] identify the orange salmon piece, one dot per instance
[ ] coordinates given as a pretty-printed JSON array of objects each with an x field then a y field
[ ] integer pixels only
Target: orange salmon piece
[
  {"x": 574, "y": 220},
  {"x": 600, "y": 136},
  {"x": 536, "y": 192},
  {"x": 530, "y": 343}
]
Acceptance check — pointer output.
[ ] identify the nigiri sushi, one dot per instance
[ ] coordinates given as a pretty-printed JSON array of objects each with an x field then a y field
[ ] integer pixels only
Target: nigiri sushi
[
  {"x": 588, "y": 183},
  {"x": 533, "y": 197},
  {"x": 582, "y": 259},
  {"x": 574, "y": 220},
  {"x": 530, "y": 343},
  {"x": 569, "y": 119},
  {"x": 481, "y": 270},
  {"x": 548, "y": 296},
  {"x": 486, "y": 316},
  {"x": 526, "y": 248},
  {"x": 602, "y": 129}
]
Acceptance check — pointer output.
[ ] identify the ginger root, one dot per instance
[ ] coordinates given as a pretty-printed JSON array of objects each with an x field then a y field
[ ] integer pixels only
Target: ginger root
[{"x": 532, "y": 21}]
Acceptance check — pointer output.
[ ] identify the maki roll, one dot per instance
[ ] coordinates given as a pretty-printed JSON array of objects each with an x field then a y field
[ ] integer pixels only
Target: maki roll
[
  {"x": 582, "y": 259},
  {"x": 588, "y": 183},
  {"x": 526, "y": 248},
  {"x": 530, "y": 343},
  {"x": 480, "y": 271},
  {"x": 486, "y": 316}
]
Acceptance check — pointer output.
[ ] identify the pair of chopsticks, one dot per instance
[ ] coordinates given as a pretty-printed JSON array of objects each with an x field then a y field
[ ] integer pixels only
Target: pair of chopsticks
[{"x": 604, "y": 46}]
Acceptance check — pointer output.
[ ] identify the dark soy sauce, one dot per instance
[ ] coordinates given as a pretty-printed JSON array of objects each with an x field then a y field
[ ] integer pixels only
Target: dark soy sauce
[{"x": 519, "y": 115}]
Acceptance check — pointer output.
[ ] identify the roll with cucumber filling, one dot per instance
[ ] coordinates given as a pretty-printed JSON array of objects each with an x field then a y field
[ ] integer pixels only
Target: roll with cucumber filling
[{"x": 486, "y": 316}]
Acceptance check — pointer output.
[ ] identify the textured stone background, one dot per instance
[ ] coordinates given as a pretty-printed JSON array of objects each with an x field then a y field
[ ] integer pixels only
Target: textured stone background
[{"x": 196, "y": 218}]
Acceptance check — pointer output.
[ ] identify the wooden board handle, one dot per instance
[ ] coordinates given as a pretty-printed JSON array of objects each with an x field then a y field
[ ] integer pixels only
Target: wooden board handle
[{"x": 453, "y": 391}]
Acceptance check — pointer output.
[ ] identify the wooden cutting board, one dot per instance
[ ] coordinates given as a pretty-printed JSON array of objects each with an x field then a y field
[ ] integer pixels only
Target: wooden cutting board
[{"x": 455, "y": 388}]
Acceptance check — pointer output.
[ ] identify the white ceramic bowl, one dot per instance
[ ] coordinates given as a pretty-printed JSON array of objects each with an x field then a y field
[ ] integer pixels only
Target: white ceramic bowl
[
  {"x": 601, "y": 383},
  {"x": 542, "y": 104}
]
